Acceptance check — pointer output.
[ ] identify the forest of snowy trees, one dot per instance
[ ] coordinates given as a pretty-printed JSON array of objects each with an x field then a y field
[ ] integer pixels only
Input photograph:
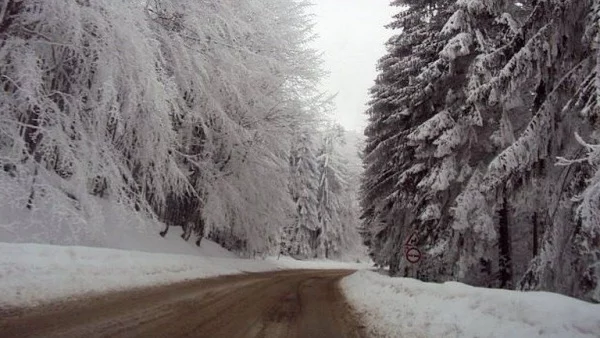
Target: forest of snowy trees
[
  {"x": 481, "y": 140},
  {"x": 201, "y": 114}
]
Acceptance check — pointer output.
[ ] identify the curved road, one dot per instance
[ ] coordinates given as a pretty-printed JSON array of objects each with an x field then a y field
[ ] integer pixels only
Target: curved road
[{"x": 296, "y": 303}]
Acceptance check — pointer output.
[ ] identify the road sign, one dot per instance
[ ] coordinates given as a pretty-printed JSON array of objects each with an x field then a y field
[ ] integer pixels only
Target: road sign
[
  {"x": 413, "y": 255},
  {"x": 412, "y": 240}
]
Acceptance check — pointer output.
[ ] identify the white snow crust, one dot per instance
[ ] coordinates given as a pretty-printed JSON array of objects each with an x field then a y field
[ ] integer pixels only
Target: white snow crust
[{"x": 403, "y": 307}]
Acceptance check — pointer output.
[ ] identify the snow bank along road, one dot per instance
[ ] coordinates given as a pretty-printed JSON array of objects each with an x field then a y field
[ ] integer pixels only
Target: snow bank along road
[{"x": 291, "y": 303}]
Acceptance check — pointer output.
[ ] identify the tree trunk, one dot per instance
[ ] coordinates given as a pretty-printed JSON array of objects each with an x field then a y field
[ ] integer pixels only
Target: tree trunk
[
  {"x": 505, "y": 262},
  {"x": 536, "y": 234},
  {"x": 8, "y": 10},
  {"x": 32, "y": 193},
  {"x": 394, "y": 264}
]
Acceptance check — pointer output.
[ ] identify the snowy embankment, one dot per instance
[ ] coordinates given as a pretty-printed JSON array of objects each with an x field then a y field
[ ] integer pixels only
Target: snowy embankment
[
  {"x": 31, "y": 274},
  {"x": 100, "y": 247},
  {"x": 402, "y": 307},
  {"x": 34, "y": 273},
  {"x": 284, "y": 262}
]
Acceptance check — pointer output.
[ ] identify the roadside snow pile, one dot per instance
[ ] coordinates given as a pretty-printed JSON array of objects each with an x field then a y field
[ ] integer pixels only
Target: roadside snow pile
[
  {"x": 286, "y": 262},
  {"x": 402, "y": 307},
  {"x": 31, "y": 274}
]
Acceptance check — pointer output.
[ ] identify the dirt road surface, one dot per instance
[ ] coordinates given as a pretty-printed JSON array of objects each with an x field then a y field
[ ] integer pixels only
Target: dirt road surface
[{"x": 297, "y": 303}]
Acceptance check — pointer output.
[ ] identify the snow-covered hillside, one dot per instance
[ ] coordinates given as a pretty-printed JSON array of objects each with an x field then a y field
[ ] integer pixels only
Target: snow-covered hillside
[
  {"x": 94, "y": 223},
  {"x": 404, "y": 307},
  {"x": 59, "y": 250}
]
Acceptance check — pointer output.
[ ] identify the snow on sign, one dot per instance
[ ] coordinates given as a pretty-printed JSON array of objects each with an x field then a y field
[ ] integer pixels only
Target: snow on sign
[{"x": 413, "y": 255}]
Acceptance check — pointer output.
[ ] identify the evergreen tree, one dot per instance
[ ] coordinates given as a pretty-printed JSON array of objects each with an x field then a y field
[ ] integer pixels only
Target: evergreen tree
[
  {"x": 474, "y": 133},
  {"x": 325, "y": 221},
  {"x": 406, "y": 115},
  {"x": 331, "y": 187},
  {"x": 301, "y": 236},
  {"x": 466, "y": 161},
  {"x": 535, "y": 81}
]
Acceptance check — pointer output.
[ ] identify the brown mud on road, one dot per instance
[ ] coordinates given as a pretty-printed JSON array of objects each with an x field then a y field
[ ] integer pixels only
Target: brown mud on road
[{"x": 296, "y": 303}]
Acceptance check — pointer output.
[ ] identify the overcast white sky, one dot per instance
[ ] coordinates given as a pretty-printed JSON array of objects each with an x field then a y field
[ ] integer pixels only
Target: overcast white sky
[{"x": 352, "y": 38}]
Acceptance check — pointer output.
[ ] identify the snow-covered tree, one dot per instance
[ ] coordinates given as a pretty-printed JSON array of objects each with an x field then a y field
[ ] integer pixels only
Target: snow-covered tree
[
  {"x": 301, "y": 236},
  {"x": 179, "y": 109},
  {"x": 79, "y": 113},
  {"x": 326, "y": 221},
  {"x": 506, "y": 88},
  {"x": 331, "y": 186},
  {"x": 406, "y": 116},
  {"x": 544, "y": 71}
]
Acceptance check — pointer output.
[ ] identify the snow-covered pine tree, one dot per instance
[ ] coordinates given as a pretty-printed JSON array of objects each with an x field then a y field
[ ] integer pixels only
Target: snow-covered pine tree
[
  {"x": 326, "y": 219},
  {"x": 500, "y": 98},
  {"x": 386, "y": 129},
  {"x": 472, "y": 136},
  {"x": 540, "y": 82},
  {"x": 301, "y": 236},
  {"x": 331, "y": 187},
  {"x": 350, "y": 151},
  {"x": 409, "y": 92}
]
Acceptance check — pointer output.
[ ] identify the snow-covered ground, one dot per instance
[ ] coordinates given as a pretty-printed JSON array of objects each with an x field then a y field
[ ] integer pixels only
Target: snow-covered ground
[
  {"x": 285, "y": 262},
  {"x": 97, "y": 223},
  {"x": 402, "y": 307},
  {"x": 31, "y": 274},
  {"x": 57, "y": 250}
]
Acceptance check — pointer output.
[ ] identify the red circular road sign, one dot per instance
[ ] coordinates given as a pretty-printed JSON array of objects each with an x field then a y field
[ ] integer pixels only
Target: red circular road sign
[{"x": 413, "y": 255}]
